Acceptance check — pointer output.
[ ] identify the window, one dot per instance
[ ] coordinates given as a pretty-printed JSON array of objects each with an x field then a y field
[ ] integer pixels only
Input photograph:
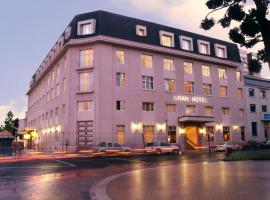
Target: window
[
  {"x": 189, "y": 87},
  {"x": 52, "y": 94},
  {"x": 120, "y": 57},
  {"x": 141, "y": 31},
  {"x": 209, "y": 133},
  {"x": 168, "y": 64},
  {"x": 86, "y": 81},
  {"x": 242, "y": 130},
  {"x": 147, "y": 82},
  {"x": 222, "y": 73},
  {"x": 254, "y": 128},
  {"x": 225, "y": 111},
  {"x": 206, "y": 71},
  {"x": 169, "y": 85},
  {"x": 251, "y": 92},
  {"x": 146, "y": 61},
  {"x": 57, "y": 90},
  {"x": 223, "y": 91},
  {"x": 264, "y": 108},
  {"x": 252, "y": 107},
  {"x": 221, "y": 51},
  {"x": 238, "y": 76},
  {"x": 65, "y": 84},
  {"x": 148, "y": 133},
  {"x": 148, "y": 106},
  {"x": 207, "y": 88},
  {"x": 188, "y": 68},
  {"x": 242, "y": 112},
  {"x": 120, "y": 105},
  {"x": 86, "y": 58},
  {"x": 120, "y": 79},
  {"x": 186, "y": 43},
  {"x": 226, "y": 133},
  {"x": 166, "y": 39},
  {"x": 263, "y": 94},
  {"x": 172, "y": 134},
  {"x": 84, "y": 105},
  {"x": 191, "y": 109},
  {"x": 120, "y": 132},
  {"x": 208, "y": 110},
  {"x": 86, "y": 27},
  {"x": 240, "y": 93},
  {"x": 170, "y": 107},
  {"x": 204, "y": 47}
]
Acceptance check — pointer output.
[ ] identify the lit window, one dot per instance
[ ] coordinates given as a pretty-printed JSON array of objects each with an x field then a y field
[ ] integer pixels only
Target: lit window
[
  {"x": 141, "y": 31},
  {"x": 205, "y": 70},
  {"x": 65, "y": 63},
  {"x": 58, "y": 72},
  {"x": 146, "y": 61},
  {"x": 238, "y": 76},
  {"x": 226, "y": 133},
  {"x": 168, "y": 64},
  {"x": 188, "y": 68},
  {"x": 189, "y": 87},
  {"x": 86, "y": 58},
  {"x": 86, "y": 27},
  {"x": 120, "y": 79},
  {"x": 191, "y": 109},
  {"x": 223, "y": 91},
  {"x": 148, "y": 106},
  {"x": 120, "y": 132},
  {"x": 204, "y": 47},
  {"x": 86, "y": 81},
  {"x": 252, "y": 107},
  {"x": 251, "y": 92},
  {"x": 166, "y": 39},
  {"x": 263, "y": 94},
  {"x": 222, "y": 73},
  {"x": 240, "y": 93},
  {"x": 207, "y": 88},
  {"x": 120, "y": 57},
  {"x": 53, "y": 75},
  {"x": 85, "y": 105},
  {"x": 186, "y": 43},
  {"x": 221, "y": 51},
  {"x": 147, "y": 82},
  {"x": 170, "y": 107},
  {"x": 225, "y": 111},
  {"x": 169, "y": 85},
  {"x": 120, "y": 105},
  {"x": 208, "y": 110},
  {"x": 242, "y": 112}
]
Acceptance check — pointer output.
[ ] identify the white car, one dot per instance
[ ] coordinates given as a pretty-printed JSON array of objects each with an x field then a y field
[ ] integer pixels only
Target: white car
[
  {"x": 110, "y": 146},
  {"x": 223, "y": 147},
  {"x": 162, "y": 147}
]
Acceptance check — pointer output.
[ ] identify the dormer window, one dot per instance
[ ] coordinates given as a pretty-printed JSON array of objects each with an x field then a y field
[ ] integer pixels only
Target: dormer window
[
  {"x": 141, "y": 31},
  {"x": 204, "y": 47},
  {"x": 186, "y": 43},
  {"x": 166, "y": 39},
  {"x": 221, "y": 51},
  {"x": 67, "y": 33},
  {"x": 86, "y": 27}
]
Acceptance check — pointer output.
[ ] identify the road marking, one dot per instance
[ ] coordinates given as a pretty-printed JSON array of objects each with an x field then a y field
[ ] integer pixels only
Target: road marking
[{"x": 65, "y": 163}]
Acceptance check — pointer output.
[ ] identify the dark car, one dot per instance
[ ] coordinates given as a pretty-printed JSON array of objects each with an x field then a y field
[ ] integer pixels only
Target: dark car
[{"x": 254, "y": 145}]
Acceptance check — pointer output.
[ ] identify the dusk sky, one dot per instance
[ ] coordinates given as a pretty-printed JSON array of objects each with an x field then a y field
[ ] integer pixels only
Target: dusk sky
[{"x": 29, "y": 28}]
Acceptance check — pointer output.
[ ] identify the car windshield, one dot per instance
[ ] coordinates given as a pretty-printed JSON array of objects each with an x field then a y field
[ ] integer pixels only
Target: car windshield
[
  {"x": 164, "y": 144},
  {"x": 117, "y": 145},
  {"x": 102, "y": 144},
  {"x": 149, "y": 144}
]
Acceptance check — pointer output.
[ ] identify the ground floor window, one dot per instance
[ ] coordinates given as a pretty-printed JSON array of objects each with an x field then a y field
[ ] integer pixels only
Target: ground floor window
[
  {"x": 254, "y": 128},
  {"x": 266, "y": 132},
  {"x": 85, "y": 134},
  {"x": 172, "y": 134},
  {"x": 148, "y": 133},
  {"x": 120, "y": 132},
  {"x": 209, "y": 133},
  {"x": 226, "y": 133},
  {"x": 242, "y": 129}
]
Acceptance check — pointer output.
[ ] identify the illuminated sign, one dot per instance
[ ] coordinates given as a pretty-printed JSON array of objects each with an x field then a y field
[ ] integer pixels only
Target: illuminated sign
[{"x": 189, "y": 99}]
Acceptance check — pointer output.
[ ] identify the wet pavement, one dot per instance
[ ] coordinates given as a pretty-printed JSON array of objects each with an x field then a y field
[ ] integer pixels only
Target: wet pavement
[{"x": 167, "y": 177}]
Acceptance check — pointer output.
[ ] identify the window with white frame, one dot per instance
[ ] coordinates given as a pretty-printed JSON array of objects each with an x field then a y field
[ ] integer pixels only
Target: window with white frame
[
  {"x": 86, "y": 81},
  {"x": 222, "y": 73},
  {"x": 223, "y": 91},
  {"x": 120, "y": 56},
  {"x": 169, "y": 85},
  {"x": 147, "y": 82},
  {"x": 166, "y": 38},
  {"x": 188, "y": 68},
  {"x": 221, "y": 51},
  {"x": 207, "y": 88},
  {"x": 204, "y": 47},
  {"x": 208, "y": 110},
  {"x": 205, "y": 71},
  {"x": 189, "y": 87},
  {"x": 186, "y": 43},
  {"x": 146, "y": 61},
  {"x": 141, "y": 31},
  {"x": 86, "y": 27},
  {"x": 168, "y": 64},
  {"x": 190, "y": 109},
  {"x": 120, "y": 79},
  {"x": 85, "y": 105},
  {"x": 148, "y": 106},
  {"x": 120, "y": 105},
  {"x": 86, "y": 58}
]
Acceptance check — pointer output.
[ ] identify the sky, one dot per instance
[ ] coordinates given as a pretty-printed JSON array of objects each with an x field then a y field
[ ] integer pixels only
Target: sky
[{"x": 29, "y": 29}]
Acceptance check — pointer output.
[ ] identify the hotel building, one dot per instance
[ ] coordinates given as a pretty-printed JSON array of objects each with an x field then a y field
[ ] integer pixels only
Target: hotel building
[{"x": 115, "y": 78}]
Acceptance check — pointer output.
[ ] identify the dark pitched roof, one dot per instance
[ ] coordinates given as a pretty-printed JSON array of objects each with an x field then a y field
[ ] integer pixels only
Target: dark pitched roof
[
  {"x": 257, "y": 82},
  {"x": 118, "y": 26}
]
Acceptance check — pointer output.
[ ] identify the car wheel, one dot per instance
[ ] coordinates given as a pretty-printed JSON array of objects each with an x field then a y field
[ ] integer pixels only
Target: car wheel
[
  {"x": 126, "y": 150},
  {"x": 159, "y": 151},
  {"x": 175, "y": 152}
]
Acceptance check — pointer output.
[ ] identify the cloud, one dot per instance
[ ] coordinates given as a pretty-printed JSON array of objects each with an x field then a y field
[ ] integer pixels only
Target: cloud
[{"x": 18, "y": 108}]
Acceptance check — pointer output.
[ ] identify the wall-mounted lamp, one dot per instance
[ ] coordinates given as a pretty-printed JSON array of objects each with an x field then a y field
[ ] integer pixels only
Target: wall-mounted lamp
[
  {"x": 136, "y": 127},
  {"x": 202, "y": 130},
  {"x": 218, "y": 127},
  {"x": 161, "y": 127},
  {"x": 181, "y": 131},
  {"x": 235, "y": 127}
]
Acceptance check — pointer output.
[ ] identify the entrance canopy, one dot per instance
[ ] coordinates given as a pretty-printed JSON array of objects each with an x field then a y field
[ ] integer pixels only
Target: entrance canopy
[{"x": 202, "y": 119}]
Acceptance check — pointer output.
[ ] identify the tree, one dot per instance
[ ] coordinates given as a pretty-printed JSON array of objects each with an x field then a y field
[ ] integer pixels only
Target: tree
[
  {"x": 11, "y": 124},
  {"x": 253, "y": 25}
]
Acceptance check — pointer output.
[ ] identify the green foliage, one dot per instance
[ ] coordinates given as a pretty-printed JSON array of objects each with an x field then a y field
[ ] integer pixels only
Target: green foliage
[
  {"x": 249, "y": 27},
  {"x": 10, "y": 124},
  {"x": 235, "y": 36},
  {"x": 254, "y": 66},
  {"x": 207, "y": 23},
  {"x": 235, "y": 12}
]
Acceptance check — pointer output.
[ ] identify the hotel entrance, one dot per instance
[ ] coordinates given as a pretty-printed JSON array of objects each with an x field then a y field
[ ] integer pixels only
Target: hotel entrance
[{"x": 192, "y": 136}]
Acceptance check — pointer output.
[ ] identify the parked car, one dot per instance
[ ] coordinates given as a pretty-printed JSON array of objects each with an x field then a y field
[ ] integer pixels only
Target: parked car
[
  {"x": 162, "y": 147},
  {"x": 231, "y": 145},
  {"x": 110, "y": 146},
  {"x": 255, "y": 145}
]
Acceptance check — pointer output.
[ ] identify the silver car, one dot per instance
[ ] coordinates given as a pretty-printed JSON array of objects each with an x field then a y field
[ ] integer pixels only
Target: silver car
[
  {"x": 110, "y": 147},
  {"x": 162, "y": 147}
]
